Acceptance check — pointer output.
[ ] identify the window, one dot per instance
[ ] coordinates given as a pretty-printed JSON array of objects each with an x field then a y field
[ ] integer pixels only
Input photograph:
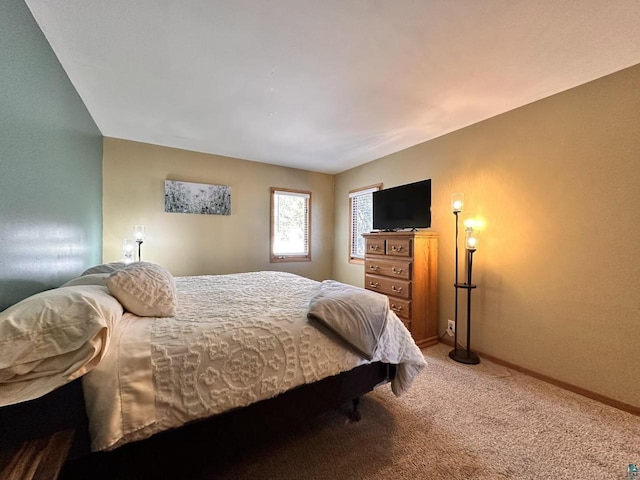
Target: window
[
  {"x": 290, "y": 225},
  {"x": 360, "y": 220}
]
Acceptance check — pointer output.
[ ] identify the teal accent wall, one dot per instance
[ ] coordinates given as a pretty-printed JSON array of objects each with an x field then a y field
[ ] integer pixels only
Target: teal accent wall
[{"x": 50, "y": 165}]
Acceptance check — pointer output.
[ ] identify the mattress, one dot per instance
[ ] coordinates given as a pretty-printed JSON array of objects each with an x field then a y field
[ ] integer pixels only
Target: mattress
[{"x": 235, "y": 340}]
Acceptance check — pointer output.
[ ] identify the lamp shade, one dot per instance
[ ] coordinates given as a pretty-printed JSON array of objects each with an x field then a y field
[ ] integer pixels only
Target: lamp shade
[
  {"x": 128, "y": 250},
  {"x": 469, "y": 224},
  {"x": 471, "y": 240},
  {"x": 457, "y": 202},
  {"x": 138, "y": 233}
]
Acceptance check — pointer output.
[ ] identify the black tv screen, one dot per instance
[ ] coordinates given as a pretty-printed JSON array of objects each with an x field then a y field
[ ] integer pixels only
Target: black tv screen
[{"x": 406, "y": 206}]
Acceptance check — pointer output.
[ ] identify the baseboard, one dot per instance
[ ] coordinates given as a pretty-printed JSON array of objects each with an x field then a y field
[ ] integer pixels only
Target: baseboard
[{"x": 558, "y": 383}]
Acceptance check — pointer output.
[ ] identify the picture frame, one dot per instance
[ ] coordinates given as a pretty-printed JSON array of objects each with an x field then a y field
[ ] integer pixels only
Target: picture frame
[{"x": 197, "y": 198}]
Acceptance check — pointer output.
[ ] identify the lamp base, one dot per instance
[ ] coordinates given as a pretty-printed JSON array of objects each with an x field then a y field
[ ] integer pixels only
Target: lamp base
[{"x": 464, "y": 356}]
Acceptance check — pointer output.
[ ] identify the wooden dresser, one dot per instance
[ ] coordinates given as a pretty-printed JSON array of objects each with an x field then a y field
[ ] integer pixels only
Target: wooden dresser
[{"x": 404, "y": 266}]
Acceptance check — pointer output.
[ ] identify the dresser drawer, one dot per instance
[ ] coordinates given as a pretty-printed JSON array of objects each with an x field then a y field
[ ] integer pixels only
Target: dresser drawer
[
  {"x": 388, "y": 286},
  {"x": 399, "y": 247},
  {"x": 374, "y": 246},
  {"x": 388, "y": 268},
  {"x": 402, "y": 308}
]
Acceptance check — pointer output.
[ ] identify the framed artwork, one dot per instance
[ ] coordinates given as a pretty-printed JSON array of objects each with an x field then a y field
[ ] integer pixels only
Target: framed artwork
[{"x": 186, "y": 197}]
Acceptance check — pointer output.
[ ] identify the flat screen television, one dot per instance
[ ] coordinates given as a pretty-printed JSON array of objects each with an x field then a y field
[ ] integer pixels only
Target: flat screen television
[{"x": 406, "y": 206}]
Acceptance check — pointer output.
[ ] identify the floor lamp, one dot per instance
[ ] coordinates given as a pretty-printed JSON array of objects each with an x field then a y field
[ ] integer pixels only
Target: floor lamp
[
  {"x": 471, "y": 243},
  {"x": 139, "y": 234}
]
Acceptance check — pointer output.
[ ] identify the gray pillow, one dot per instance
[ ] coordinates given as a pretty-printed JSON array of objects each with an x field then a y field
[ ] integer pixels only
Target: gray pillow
[
  {"x": 105, "y": 268},
  {"x": 355, "y": 315},
  {"x": 88, "y": 279}
]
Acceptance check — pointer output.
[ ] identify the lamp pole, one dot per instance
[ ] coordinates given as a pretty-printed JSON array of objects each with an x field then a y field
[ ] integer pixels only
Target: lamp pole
[
  {"x": 139, "y": 242},
  {"x": 471, "y": 357},
  {"x": 455, "y": 314}
]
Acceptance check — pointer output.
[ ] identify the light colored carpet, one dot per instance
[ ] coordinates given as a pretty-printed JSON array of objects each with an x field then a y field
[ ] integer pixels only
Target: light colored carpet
[{"x": 457, "y": 422}]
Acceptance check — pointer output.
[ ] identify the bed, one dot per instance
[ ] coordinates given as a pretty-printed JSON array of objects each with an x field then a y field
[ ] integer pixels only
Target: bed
[{"x": 225, "y": 343}]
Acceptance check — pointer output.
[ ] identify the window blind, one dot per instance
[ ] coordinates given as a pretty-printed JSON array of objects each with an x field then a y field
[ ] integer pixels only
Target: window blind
[{"x": 361, "y": 216}]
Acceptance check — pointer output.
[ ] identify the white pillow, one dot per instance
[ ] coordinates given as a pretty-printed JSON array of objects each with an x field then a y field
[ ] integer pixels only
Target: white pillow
[
  {"x": 105, "y": 268},
  {"x": 53, "y": 337},
  {"x": 145, "y": 289}
]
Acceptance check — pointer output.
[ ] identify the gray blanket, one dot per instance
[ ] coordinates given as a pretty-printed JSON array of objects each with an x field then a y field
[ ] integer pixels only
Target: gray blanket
[{"x": 356, "y": 315}]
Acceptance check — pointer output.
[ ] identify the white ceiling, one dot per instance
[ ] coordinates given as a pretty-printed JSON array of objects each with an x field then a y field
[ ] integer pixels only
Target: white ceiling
[{"x": 325, "y": 85}]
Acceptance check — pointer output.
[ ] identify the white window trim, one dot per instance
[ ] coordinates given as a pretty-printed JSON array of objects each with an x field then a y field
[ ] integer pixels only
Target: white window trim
[{"x": 289, "y": 257}]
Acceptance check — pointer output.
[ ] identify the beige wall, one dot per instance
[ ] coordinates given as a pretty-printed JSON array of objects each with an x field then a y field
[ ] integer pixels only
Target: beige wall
[
  {"x": 189, "y": 244},
  {"x": 558, "y": 268}
]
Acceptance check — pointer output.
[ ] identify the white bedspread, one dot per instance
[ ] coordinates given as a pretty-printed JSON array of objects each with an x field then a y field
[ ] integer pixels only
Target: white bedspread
[{"x": 236, "y": 339}]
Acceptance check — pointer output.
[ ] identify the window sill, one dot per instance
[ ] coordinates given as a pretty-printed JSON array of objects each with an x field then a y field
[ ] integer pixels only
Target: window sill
[{"x": 284, "y": 259}]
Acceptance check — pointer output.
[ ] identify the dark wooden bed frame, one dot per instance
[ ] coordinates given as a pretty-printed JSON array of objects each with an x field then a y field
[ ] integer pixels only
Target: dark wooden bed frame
[{"x": 216, "y": 436}]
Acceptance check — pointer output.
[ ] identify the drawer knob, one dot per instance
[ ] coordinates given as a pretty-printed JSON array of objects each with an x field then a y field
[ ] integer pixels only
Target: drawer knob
[
  {"x": 397, "y": 271},
  {"x": 374, "y": 284},
  {"x": 374, "y": 268},
  {"x": 396, "y": 249},
  {"x": 373, "y": 247},
  {"x": 396, "y": 289},
  {"x": 396, "y": 308}
]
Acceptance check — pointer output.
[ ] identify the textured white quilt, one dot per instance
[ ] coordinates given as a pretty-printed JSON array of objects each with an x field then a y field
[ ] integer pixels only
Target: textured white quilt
[{"x": 236, "y": 339}]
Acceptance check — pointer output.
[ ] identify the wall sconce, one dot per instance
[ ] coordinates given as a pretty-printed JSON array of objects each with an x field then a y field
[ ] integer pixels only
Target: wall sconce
[
  {"x": 128, "y": 250},
  {"x": 139, "y": 235}
]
